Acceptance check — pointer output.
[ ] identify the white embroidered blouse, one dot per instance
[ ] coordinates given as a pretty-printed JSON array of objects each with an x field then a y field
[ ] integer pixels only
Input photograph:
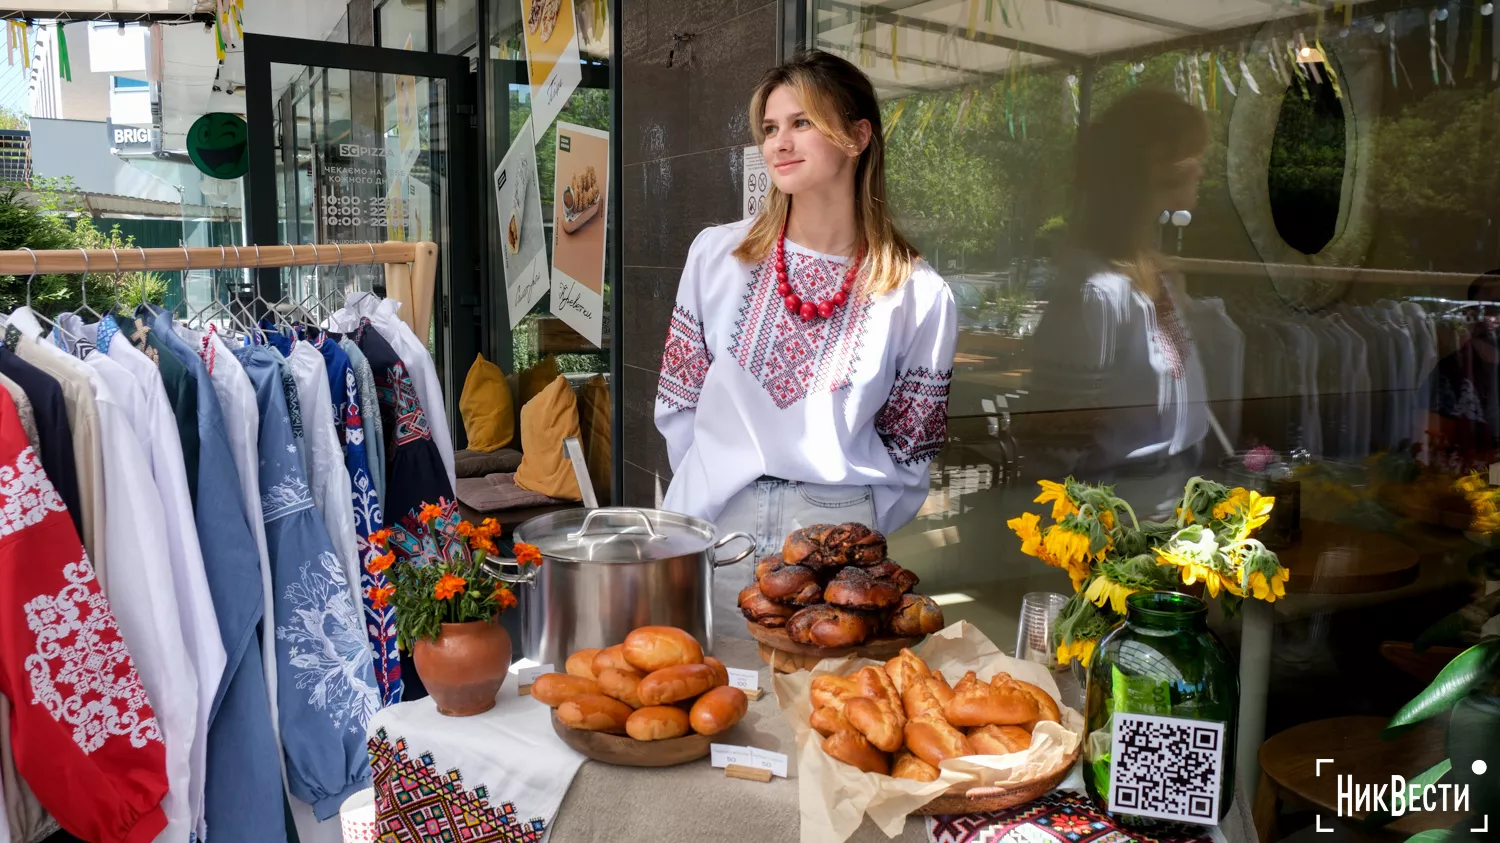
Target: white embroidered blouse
[{"x": 749, "y": 389}]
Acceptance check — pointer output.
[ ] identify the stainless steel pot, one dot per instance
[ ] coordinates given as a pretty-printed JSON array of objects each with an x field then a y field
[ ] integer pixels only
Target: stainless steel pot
[{"x": 605, "y": 572}]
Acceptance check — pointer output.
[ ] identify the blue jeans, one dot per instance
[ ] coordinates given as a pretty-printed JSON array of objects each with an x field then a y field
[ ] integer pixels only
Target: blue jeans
[{"x": 769, "y": 510}]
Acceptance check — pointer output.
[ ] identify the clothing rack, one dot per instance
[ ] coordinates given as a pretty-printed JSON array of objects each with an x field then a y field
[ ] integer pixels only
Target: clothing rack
[{"x": 410, "y": 268}]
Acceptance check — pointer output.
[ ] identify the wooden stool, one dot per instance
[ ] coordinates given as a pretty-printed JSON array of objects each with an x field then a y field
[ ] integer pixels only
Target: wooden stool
[{"x": 1288, "y": 766}]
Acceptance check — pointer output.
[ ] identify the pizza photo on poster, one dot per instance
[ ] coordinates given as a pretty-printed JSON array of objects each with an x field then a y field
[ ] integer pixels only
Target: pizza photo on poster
[
  {"x": 553, "y": 61},
  {"x": 580, "y": 204}
]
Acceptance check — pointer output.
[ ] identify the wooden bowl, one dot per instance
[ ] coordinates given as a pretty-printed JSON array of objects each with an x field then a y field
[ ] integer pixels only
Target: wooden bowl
[
  {"x": 974, "y": 800},
  {"x": 625, "y": 751},
  {"x": 787, "y": 656}
]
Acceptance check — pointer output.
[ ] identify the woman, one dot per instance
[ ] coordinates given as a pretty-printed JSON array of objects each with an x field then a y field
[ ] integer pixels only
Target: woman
[
  {"x": 1115, "y": 373},
  {"x": 805, "y": 375}
]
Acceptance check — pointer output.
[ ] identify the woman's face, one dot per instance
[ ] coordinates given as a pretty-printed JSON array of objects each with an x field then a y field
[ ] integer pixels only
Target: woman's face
[
  {"x": 1179, "y": 183},
  {"x": 799, "y": 157}
]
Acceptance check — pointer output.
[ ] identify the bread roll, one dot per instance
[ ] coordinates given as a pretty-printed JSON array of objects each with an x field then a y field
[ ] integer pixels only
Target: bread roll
[
  {"x": 653, "y": 648},
  {"x": 934, "y": 740},
  {"x": 877, "y": 722},
  {"x": 670, "y": 684},
  {"x": 794, "y": 584},
  {"x": 904, "y": 668},
  {"x": 854, "y": 544},
  {"x": 581, "y": 663},
  {"x": 610, "y": 657},
  {"x": 853, "y": 588},
  {"x": 556, "y": 688},
  {"x": 718, "y": 710},
  {"x": 805, "y": 546},
  {"x": 829, "y": 626},
  {"x": 909, "y": 766},
  {"x": 827, "y": 689},
  {"x": 721, "y": 673},
  {"x": 888, "y": 570},
  {"x": 621, "y": 684},
  {"x": 999, "y": 740},
  {"x": 1046, "y": 706},
  {"x": 852, "y": 749},
  {"x": 919, "y": 699},
  {"x": 829, "y": 720},
  {"x": 873, "y": 683},
  {"x": 977, "y": 704},
  {"x": 915, "y": 615},
  {"x": 595, "y": 713},
  {"x": 657, "y": 723},
  {"x": 940, "y": 687},
  {"x": 763, "y": 610}
]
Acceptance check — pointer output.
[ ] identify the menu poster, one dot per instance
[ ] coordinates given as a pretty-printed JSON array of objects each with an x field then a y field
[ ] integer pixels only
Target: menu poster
[
  {"x": 553, "y": 62},
  {"x": 408, "y": 138},
  {"x": 580, "y": 202},
  {"x": 523, "y": 252}
]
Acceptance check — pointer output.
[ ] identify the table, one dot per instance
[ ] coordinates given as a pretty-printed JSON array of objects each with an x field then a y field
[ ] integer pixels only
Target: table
[{"x": 694, "y": 802}]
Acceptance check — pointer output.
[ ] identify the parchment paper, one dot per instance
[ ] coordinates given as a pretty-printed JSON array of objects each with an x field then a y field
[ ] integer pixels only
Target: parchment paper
[{"x": 834, "y": 796}]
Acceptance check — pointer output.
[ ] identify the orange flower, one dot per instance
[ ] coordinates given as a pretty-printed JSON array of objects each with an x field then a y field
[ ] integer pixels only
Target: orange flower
[
  {"x": 464, "y": 529},
  {"x": 504, "y": 598},
  {"x": 449, "y": 586},
  {"x": 489, "y": 527},
  {"x": 380, "y": 597},
  {"x": 429, "y": 512},
  {"x": 528, "y": 554},
  {"x": 380, "y": 563},
  {"x": 380, "y": 537},
  {"x": 481, "y": 543}
]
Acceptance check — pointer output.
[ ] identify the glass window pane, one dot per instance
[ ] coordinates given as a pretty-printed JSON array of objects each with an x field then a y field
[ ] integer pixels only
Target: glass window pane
[
  {"x": 457, "y": 25},
  {"x": 403, "y": 24}
]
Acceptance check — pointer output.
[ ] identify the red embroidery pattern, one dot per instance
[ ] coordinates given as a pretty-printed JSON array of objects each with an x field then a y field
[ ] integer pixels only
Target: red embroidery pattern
[
  {"x": 684, "y": 362},
  {"x": 414, "y": 802},
  {"x": 790, "y": 357},
  {"x": 1060, "y": 816},
  {"x": 913, "y": 424},
  {"x": 1175, "y": 342}
]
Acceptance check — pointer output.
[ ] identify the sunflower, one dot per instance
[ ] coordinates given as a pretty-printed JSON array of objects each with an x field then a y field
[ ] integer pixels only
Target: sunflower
[
  {"x": 449, "y": 586},
  {"x": 1057, "y": 494},
  {"x": 1104, "y": 590},
  {"x": 1194, "y": 569},
  {"x": 1025, "y": 526},
  {"x": 1082, "y": 650},
  {"x": 1066, "y": 546},
  {"x": 1254, "y": 507},
  {"x": 1269, "y": 590}
]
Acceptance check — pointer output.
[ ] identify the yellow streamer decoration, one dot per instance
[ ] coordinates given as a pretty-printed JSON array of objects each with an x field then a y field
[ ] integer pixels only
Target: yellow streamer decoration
[
  {"x": 890, "y": 125},
  {"x": 973, "y": 17},
  {"x": 1333, "y": 77},
  {"x": 895, "y": 65}
]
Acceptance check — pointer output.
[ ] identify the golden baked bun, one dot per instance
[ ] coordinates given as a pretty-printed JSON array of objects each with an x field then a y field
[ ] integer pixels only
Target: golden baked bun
[
  {"x": 763, "y": 610},
  {"x": 853, "y": 749},
  {"x": 934, "y": 740},
  {"x": 999, "y": 740},
  {"x": 794, "y": 584},
  {"x": 828, "y": 689},
  {"x": 554, "y": 689},
  {"x": 1046, "y": 706},
  {"x": 611, "y": 657},
  {"x": 940, "y": 687},
  {"x": 878, "y": 722},
  {"x": 652, "y": 648},
  {"x": 919, "y": 699},
  {"x": 915, "y": 615},
  {"x": 721, "y": 673},
  {"x": 854, "y": 588},
  {"x": 875, "y": 684},
  {"x": 671, "y": 684},
  {"x": 657, "y": 723},
  {"x": 581, "y": 663},
  {"x": 829, "y": 720},
  {"x": 906, "y": 667},
  {"x": 805, "y": 546},
  {"x": 977, "y": 704},
  {"x": 595, "y": 713},
  {"x": 718, "y": 710},
  {"x": 621, "y": 684},
  {"x": 909, "y": 766},
  {"x": 829, "y": 626}
]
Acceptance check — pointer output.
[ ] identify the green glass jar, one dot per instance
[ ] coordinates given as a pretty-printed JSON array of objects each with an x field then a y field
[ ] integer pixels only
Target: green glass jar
[{"x": 1171, "y": 690}]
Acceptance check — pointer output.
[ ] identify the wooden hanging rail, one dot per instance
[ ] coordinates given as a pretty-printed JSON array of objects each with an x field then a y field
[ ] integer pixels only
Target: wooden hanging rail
[{"x": 102, "y": 261}]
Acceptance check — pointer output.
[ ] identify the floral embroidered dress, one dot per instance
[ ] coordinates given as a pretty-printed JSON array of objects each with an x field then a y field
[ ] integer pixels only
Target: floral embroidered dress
[
  {"x": 325, "y": 677},
  {"x": 749, "y": 389},
  {"x": 85, "y": 735},
  {"x": 348, "y": 418}
]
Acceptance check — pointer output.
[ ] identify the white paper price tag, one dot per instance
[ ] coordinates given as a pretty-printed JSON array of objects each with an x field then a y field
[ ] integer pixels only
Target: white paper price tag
[
  {"x": 745, "y": 680},
  {"x": 529, "y": 675},
  {"x": 767, "y": 760},
  {"x": 722, "y": 755}
]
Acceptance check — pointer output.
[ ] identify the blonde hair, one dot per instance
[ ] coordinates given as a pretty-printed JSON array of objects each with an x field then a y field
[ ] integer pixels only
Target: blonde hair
[{"x": 836, "y": 96}]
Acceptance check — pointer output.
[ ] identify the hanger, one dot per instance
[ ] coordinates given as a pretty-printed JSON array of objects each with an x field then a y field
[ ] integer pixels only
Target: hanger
[
  {"x": 83, "y": 294},
  {"x": 115, "y": 308},
  {"x": 33, "y": 275}
]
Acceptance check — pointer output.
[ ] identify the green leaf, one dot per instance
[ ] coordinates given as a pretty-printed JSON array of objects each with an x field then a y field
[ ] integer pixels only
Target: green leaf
[
  {"x": 1434, "y": 835},
  {"x": 1467, "y": 671},
  {"x": 1433, "y": 775}
]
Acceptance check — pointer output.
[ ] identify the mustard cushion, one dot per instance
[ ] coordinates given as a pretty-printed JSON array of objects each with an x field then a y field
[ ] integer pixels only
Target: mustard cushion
[
  {"x": 538, "y": 378},
  {"x": 593, "y": 423},
  {"x": 489, "y": 418},
  {"x": 546, "y": 421}
]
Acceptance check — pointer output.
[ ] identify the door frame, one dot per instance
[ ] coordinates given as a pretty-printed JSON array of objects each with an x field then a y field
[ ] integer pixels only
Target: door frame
[{"x": 455, "y": 313}]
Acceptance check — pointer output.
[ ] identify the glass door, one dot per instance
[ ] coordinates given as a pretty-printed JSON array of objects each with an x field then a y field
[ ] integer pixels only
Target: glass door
[{"x": 352, "y": 144}]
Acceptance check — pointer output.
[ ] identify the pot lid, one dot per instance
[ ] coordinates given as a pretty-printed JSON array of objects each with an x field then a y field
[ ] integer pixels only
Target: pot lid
[{"x": 617, "y": 535}]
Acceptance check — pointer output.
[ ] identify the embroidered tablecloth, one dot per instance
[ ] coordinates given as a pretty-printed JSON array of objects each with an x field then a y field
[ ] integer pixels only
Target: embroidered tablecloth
[
  {"x": 497, "y": 777},
  {"x": 1058, "y": 817}
]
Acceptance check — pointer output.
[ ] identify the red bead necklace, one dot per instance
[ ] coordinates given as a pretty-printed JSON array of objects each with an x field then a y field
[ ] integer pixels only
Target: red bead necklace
[{"x": 806, "y": 309}]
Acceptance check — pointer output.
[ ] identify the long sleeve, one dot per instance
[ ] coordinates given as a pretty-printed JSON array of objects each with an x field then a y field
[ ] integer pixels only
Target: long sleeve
[
  {"x": 85, "y": 735},
  {"x": 913, "y": 423},
  {"x": 684, "y": 362}
]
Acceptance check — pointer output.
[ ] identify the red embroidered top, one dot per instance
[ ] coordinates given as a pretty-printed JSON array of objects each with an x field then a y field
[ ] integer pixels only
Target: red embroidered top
[{"x": 84, "y": 735}]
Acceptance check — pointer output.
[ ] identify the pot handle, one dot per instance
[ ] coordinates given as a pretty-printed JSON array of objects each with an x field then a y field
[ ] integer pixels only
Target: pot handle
[
  {"x": 525, "y": 574},
  {"x": 588, "y": 521},
  {"x": 719, "y": 563}
]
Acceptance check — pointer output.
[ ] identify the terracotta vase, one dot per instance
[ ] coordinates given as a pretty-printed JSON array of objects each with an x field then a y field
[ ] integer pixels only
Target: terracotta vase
[{"x": 464, "y": 668}]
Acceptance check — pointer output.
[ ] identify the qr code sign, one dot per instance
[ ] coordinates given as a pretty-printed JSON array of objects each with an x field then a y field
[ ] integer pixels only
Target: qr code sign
[{"x": 1168, "y": 768}]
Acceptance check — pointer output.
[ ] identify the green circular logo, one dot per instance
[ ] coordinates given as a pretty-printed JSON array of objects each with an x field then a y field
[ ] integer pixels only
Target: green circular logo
[{"x": 218, "y": 143}]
